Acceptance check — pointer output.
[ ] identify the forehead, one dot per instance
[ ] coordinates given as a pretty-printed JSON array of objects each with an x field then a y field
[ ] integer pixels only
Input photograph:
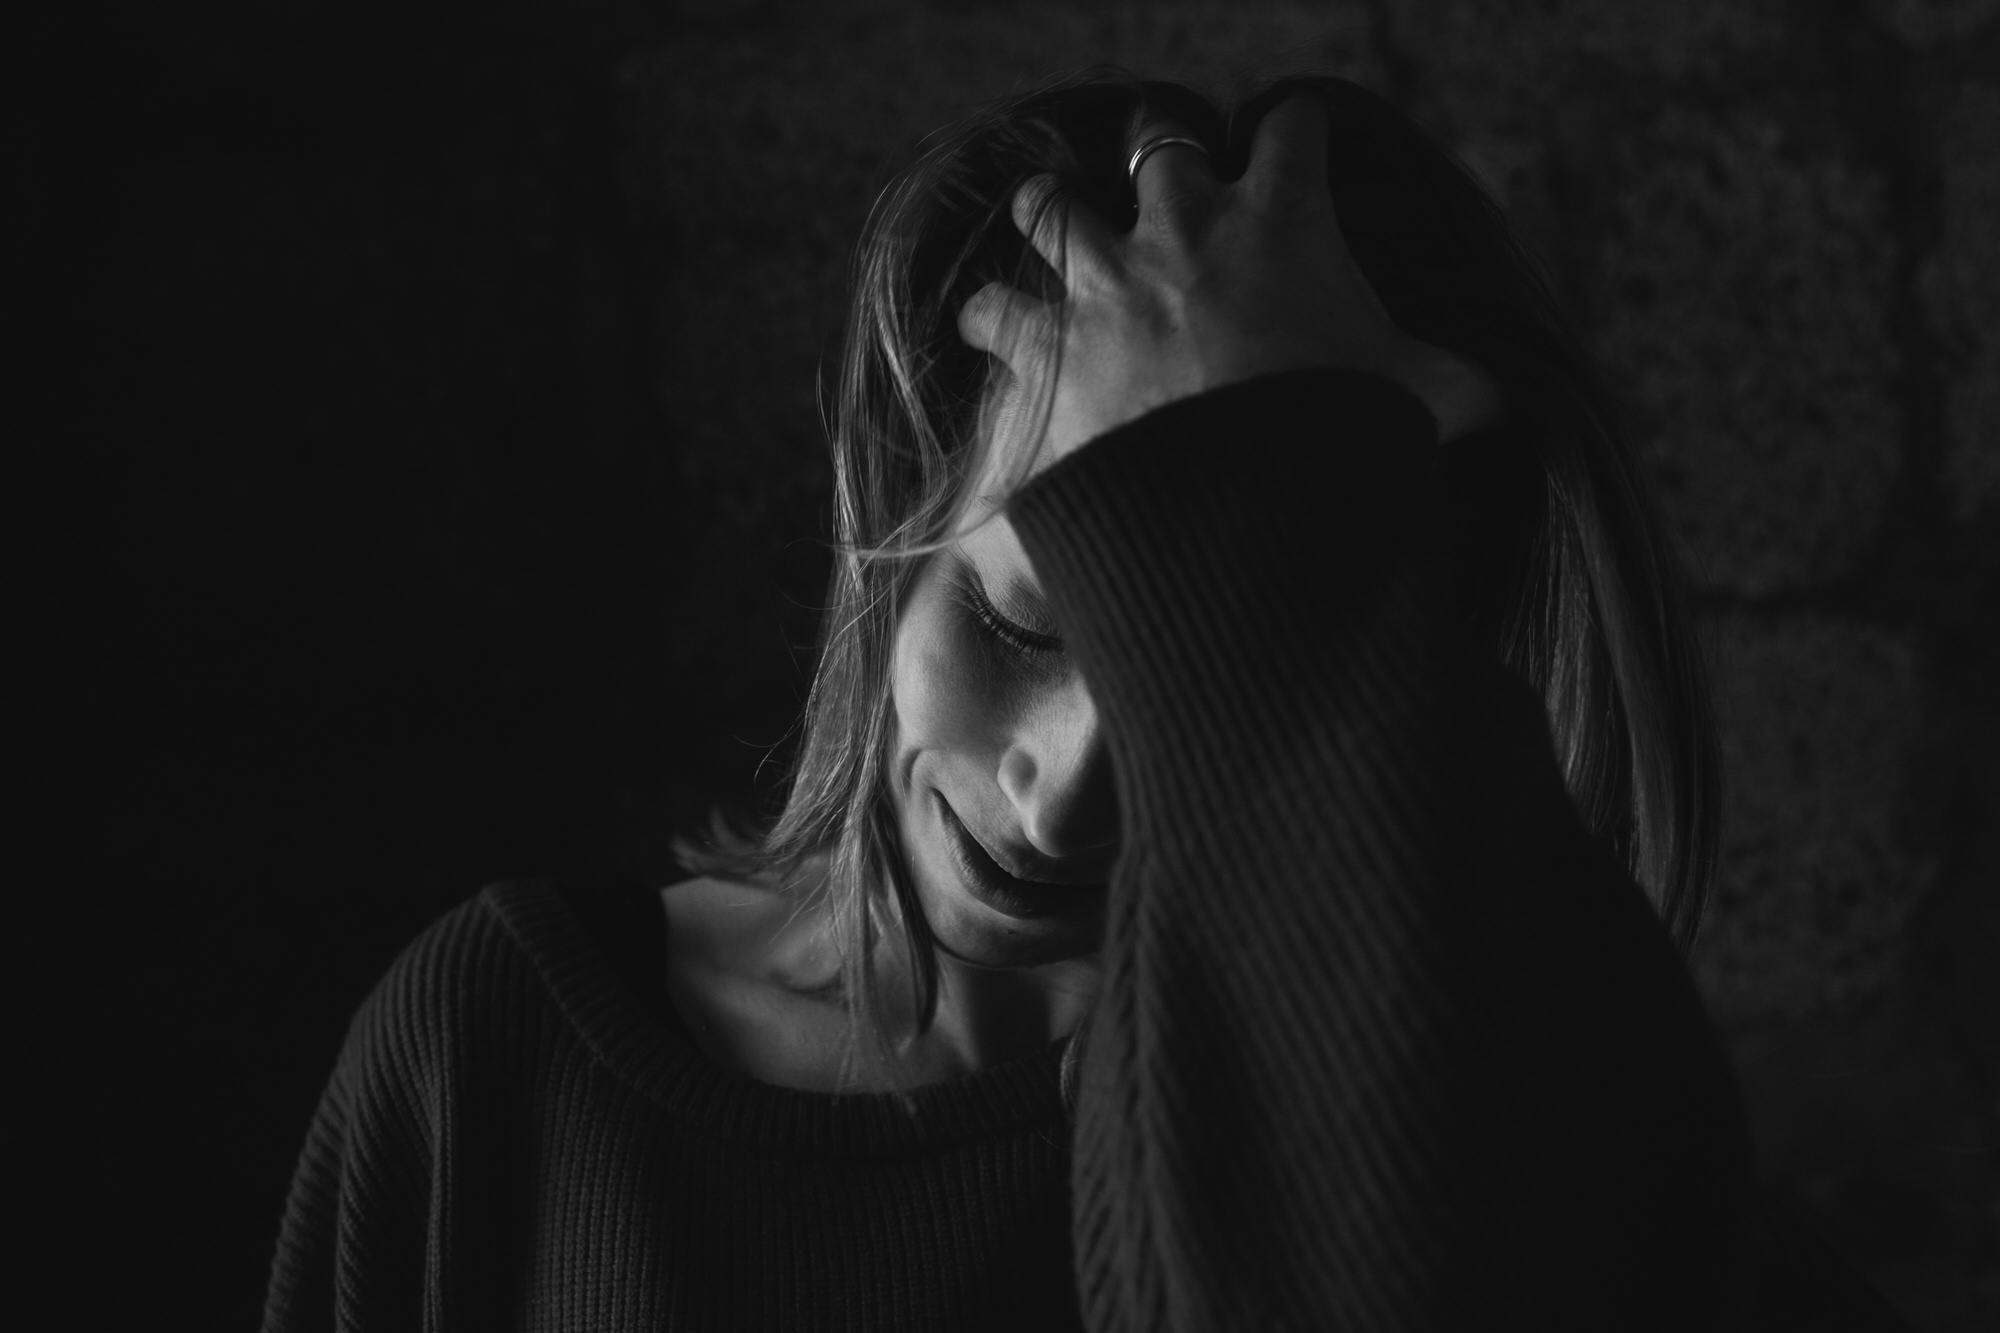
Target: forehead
[
  {"x": 981, "y": 528},
  {"x": 987, "y": 537}
]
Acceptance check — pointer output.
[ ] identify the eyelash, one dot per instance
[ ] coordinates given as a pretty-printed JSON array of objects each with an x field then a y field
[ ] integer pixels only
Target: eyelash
[{"x": 1021, "y": 640}]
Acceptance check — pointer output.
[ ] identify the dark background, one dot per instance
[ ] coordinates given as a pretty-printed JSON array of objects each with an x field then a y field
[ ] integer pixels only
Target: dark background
[{"x": 451, "y": 477}]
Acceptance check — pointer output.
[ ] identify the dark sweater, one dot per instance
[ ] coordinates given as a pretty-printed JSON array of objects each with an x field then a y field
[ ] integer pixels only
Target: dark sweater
[{"x": 1385, "y": 1041}]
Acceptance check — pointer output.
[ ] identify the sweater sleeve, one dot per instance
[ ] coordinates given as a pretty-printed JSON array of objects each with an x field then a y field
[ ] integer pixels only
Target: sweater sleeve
[
  {"x": 1384, "y": 1041},
  {"x": 353, "y": 1244}
]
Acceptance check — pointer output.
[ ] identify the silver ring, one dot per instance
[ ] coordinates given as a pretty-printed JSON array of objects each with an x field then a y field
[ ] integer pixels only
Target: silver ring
[{"x": 1154, "y": 144}]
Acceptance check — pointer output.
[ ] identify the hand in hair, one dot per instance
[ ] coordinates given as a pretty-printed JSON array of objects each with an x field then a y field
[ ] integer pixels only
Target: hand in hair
[{"x": 1215, "y": 283}]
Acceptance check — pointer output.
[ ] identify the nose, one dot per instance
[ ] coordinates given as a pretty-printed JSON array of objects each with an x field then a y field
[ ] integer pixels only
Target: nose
[{"x": 1057, "y": 773}]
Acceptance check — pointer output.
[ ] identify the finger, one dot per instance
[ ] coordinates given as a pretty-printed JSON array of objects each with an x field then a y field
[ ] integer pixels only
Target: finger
[
  {"x": 1061, "y": 231},
  {"x": 1288, "y": 154},
  {"x": 1008, "y": 323},
  {"x": 1172, "y": 176}
]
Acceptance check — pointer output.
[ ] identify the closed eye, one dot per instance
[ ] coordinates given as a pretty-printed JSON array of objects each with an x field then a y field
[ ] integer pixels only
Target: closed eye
[{"x": 1017, "y": 637}]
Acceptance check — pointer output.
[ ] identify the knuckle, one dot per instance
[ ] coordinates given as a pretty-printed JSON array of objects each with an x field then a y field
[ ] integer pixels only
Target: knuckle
[
  {"x": 1034, "y": 202},
  {"x": 986, "y": 317},
  {"x": 975, "y": 320}
]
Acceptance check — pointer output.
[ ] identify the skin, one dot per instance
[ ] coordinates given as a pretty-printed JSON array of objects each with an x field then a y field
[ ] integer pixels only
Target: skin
[
  {"x": 1215, "y": 284},
  {"x": 1008, "y": 740}
]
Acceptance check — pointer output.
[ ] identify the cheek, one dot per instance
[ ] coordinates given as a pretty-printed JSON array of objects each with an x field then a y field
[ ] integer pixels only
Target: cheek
[{"x": 942, "y": 686}]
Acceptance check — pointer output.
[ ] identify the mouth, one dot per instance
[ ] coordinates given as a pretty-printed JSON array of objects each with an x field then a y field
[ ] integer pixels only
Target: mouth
[{"x": 1024, "y": 900}]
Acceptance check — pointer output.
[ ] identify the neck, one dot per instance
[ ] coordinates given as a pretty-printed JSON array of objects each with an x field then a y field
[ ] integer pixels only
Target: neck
[{"x": 985, "y": 1016}]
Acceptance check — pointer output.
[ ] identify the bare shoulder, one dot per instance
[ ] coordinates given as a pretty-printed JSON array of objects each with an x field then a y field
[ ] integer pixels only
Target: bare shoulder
[
  {"x": 743, "y": 965},
  {"x": 711, "y": 914},
  {"x": 748, "y": 931},
  {"x": 719, "y": 889}
]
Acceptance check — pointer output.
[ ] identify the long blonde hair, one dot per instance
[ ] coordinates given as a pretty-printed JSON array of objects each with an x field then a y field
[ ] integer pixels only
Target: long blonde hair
[{"x": 1578, "y": 590}]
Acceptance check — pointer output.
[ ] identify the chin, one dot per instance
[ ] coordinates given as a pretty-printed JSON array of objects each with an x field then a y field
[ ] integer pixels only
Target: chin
[
  {"x": 976, "y": 936},
  {"x": 979, "y": 916},
  {"x": 981, "y": 935}
]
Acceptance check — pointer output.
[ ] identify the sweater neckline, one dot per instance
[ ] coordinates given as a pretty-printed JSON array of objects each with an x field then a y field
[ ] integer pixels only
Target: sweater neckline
[{"x": 655, "y": 1055}]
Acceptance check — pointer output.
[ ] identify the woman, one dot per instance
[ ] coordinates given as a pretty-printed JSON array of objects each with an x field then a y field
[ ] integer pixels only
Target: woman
[{"x": 1256, "y": 780}]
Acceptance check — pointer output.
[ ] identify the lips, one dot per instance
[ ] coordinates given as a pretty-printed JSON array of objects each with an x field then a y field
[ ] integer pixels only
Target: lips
[{"x": 1024, "y": 900}]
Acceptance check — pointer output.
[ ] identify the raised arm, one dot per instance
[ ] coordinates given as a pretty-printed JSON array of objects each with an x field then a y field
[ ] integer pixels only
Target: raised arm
[{"x": 1385, "y": 1041}]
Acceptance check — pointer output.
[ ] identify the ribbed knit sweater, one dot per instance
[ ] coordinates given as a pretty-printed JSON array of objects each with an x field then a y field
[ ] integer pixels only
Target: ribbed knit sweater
[{"x": 1384, "y": 1041}]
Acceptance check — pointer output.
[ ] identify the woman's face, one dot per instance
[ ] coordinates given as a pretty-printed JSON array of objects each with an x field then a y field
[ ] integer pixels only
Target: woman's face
[{"x": 999, "y": 766}]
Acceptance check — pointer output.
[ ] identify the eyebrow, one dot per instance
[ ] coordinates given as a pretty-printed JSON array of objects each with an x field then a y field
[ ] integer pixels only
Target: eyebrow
[
  {"x": 1018, "y": 590},
  {"x": 1012, "y": 586},
  {"x": 1017, "y": 585}
]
